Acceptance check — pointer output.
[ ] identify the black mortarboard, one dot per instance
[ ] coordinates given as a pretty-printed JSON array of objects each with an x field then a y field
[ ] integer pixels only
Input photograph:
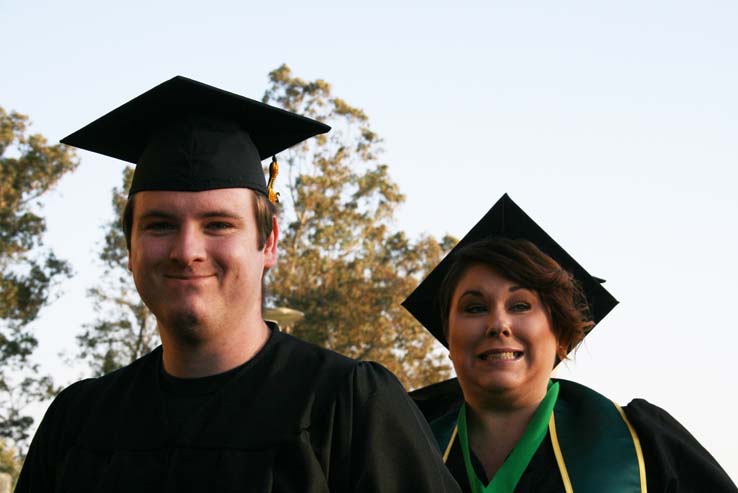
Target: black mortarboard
[
  {"x": 188, "y": 136},
  {"x": 504, "y": 219}
]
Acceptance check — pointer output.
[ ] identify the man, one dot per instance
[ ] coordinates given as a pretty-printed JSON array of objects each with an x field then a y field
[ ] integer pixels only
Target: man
[{"x": 227, "y": 403}]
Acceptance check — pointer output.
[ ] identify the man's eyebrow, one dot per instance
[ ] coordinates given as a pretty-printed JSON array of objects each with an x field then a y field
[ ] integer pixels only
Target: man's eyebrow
[
  {"x": 222, "y": 213},
  {"x": 155, "y": 213},
  {"x": 518, "y": 288},
  {"x": 158, "y": 213}
]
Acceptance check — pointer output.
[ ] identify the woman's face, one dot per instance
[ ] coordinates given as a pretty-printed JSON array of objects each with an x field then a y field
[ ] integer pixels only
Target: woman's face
[{"x": 500, "y": 337}]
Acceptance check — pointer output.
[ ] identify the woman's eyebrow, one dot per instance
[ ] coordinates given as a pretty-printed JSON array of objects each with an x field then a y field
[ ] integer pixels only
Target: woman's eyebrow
[{"x": 471, "y": 292}]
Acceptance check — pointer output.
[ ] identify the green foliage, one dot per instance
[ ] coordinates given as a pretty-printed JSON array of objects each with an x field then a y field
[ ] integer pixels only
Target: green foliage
[
  {"x": 342, "y": 263},
  {"x": 124, "y": 329},
  {"x": 29, "y": 167}
]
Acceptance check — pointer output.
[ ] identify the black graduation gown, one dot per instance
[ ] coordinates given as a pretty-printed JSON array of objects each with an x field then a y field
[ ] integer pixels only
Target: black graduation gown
[
  {"x": 295, "y": 418},
  {"x": 675, "y": 461}
]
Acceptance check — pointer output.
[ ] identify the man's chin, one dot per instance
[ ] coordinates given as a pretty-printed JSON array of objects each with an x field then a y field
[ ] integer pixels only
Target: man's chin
[{"x": 187, "y": 326}]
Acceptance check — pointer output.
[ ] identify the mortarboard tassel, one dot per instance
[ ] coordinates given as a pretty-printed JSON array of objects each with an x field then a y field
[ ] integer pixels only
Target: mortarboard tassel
[{"x": 273, "y": 172}]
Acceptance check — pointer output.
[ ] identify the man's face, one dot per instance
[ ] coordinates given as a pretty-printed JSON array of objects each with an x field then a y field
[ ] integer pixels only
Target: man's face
[{"x": 195, "y": 260}]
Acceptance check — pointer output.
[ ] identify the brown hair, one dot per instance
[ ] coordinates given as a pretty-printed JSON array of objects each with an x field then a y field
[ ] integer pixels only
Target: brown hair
[
  {"x": 264, "y": 212},
  {"x": 524, "y": 263}
]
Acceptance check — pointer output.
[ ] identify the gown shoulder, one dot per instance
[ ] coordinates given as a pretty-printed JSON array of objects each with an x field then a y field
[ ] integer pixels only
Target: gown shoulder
[{"x": 675, "y": 461}]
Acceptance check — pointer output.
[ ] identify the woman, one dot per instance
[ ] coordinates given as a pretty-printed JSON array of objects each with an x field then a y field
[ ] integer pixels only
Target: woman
[{"x": 508, "y": 312}]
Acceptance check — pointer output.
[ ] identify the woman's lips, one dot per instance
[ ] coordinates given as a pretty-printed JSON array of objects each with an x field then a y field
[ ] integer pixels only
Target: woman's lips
[{"x": 500, "y": 355}]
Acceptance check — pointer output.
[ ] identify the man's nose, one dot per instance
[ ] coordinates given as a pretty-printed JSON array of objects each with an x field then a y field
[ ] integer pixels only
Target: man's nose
[{"x": 188, "y": 246}]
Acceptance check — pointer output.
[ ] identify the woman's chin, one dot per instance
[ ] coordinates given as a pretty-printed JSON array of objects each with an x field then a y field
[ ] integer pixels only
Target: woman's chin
[
  {"x": 499, "y": 377},
  {"x": 504, "y": 390},
  {"x": 501, "y": 385}
]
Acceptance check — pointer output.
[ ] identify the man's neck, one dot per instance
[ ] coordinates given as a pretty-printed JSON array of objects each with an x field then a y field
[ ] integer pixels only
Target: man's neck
[{"x": 195, "y": 359}]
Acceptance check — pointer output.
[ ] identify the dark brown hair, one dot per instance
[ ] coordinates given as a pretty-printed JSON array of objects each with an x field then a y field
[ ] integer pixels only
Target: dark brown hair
[
  {"x": 264, "y": 211},
  {"x": 525, "y": 264}
]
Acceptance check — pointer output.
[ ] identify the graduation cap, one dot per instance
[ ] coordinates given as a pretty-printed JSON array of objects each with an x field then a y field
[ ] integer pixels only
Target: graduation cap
[
  {"x": 184, "y": 135},
  {"x": 505, "y": 219}
]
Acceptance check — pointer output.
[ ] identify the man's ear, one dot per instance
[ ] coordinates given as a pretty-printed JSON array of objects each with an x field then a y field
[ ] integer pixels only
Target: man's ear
[
  {"x": 270, "y": 247},
  {"x": 128, "y": 264}
]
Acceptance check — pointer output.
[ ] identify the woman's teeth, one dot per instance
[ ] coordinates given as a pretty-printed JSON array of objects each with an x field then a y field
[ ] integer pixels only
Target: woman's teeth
[{"x": 508, "y": 355}]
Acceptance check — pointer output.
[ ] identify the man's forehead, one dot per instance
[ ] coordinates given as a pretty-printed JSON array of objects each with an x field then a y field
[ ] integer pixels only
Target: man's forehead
[{"x": 223, "y": 201}]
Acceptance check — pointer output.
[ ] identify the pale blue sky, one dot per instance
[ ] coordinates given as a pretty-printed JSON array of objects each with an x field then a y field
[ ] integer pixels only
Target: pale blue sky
[{"x": 612, "y": 123}]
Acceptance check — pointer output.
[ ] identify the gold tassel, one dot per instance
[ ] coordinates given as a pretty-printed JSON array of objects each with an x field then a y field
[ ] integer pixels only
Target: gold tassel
[{"x": 273, "y": 172}]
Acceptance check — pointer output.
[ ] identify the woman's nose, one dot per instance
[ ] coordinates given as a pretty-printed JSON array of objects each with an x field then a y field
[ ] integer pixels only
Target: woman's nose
[{"x": 498, "y": 325}]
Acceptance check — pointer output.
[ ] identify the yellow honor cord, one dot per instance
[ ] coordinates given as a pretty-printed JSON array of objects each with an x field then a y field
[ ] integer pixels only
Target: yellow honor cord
[
  {"x": 450, "y": 443},
  {"x": 559, "y": 456},
  {"x": 637, "y": 445}
]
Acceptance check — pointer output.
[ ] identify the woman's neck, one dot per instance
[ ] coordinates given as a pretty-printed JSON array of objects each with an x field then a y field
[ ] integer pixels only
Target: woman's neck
[{"x": 502, "y": 426}]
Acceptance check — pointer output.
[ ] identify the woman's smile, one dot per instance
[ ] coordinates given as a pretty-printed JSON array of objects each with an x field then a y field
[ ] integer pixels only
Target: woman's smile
[{"x": 500, "y": 355}]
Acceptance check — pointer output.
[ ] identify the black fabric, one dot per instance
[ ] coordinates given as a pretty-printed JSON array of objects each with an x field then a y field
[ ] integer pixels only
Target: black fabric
[
  {"x": 675, "y": 460},
  {"x": 199, "y": 153},
  {"x": 184, "y": 135},
  {"x": 295, "y": 418},
  {"x": 507, "y": 220},
  {"x": 184, "y": 397}
]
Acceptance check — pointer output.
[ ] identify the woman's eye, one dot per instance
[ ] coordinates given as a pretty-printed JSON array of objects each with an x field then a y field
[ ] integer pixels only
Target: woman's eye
[
  {"x": 475, "y": 308},
  {"x": 520, "y": 306}
]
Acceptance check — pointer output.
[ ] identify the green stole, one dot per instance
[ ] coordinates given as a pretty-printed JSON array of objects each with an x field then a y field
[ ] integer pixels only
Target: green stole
[
  {"x": 595, "y": 446},
  {"x": 508, "y": 475}
]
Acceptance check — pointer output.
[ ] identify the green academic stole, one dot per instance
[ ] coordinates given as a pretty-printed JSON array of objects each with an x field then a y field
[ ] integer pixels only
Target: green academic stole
[
  {"x": 596, "y": 447},
  {"x": 512, "y": 469}
]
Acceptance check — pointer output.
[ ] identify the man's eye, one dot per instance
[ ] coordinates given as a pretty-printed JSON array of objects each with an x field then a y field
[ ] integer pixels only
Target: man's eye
[
  {"x": 160, "y": 226},
  {"x": 219, "y": 225}
]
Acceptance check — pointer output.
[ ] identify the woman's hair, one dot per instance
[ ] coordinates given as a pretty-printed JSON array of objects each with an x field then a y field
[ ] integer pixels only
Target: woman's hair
[{"x": 525, "y": 264}]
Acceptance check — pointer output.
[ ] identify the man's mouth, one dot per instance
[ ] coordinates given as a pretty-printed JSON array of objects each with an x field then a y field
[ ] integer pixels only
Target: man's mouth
[
  {"x": 187, "y": 278},
  {"x": 500, "y": 355}
]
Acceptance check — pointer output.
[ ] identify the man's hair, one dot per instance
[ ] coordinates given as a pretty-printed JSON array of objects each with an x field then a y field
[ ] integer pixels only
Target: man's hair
[
  {"x": 264, "y": 212},
  {"x": 522, "y": 262}
]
